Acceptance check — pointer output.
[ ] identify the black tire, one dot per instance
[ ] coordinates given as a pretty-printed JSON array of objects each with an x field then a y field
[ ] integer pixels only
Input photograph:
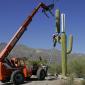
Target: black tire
[
  {"x": 41, "y": 74},
  {"x": 17, "y": 77},
  {"x": 6, "y": 80},
  {"x": 3, "y": 81},
  {"x": 27, "y": 78}
]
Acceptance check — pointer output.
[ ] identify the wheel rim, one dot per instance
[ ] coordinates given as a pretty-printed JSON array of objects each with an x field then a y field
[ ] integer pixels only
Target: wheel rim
[
  {"x": 42, "y": 74},
  {"x": 19, "y": 77}
]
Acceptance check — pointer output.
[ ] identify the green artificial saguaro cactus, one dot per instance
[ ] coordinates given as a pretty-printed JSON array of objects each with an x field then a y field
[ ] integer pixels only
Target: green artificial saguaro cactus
[{"x": 62, "y": 39}]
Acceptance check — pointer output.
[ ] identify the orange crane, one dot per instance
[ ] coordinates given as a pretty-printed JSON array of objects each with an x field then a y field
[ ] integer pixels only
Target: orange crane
[{"x": 7, "y": 71}]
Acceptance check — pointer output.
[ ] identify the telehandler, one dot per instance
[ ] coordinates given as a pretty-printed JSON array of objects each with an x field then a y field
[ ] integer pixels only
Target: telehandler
[{"x": 10, "y": 72}]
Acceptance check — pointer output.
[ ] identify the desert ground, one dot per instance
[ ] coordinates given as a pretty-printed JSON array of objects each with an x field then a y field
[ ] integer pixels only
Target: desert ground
[{"x": 51, "y": 80}]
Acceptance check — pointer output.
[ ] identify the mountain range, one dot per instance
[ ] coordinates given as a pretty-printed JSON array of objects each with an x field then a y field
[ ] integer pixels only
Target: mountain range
[{"x": 50, "y": 55}]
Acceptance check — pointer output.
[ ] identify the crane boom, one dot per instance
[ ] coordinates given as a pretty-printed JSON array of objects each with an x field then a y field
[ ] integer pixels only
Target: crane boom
[{"x": 5, "y": 52}]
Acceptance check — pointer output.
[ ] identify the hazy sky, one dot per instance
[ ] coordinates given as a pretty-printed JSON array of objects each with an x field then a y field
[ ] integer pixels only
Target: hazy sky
[{"x": 41, "y": 29}]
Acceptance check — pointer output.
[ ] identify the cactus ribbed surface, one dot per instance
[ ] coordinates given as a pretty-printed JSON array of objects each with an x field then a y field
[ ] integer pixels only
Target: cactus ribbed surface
[
  {"x": 57, "y": 21},
  {"x": 63, "y": 53}
]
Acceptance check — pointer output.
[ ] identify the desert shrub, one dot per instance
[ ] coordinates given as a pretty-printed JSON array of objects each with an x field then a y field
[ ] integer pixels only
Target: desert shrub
[
  {"x": 38, "y": 62},
  {"x": 58, "y": 69},
  {"x": 30, "y": 63},
  {"x": 77, "y": 67},
  {"x": 83, "y": 82},
  {"x": 68, "y": 81},
  {"x": 54, "y": 68}
]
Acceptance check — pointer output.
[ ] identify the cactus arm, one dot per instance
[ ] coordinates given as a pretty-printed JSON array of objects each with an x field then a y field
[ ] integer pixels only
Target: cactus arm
[{"x": 70, "y": 44}]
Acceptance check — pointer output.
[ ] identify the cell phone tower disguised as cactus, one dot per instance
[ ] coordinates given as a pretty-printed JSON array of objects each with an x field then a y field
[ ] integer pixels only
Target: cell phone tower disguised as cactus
[{"x": 61, "y": 37}]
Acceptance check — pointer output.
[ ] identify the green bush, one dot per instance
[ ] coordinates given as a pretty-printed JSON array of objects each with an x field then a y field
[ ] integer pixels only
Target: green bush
[
  {"x": 77, "y": 67},
  {"x": 33, "y": 62},
  {"x": 54, "y": 68},
  {"x": 83, "y": 82}
]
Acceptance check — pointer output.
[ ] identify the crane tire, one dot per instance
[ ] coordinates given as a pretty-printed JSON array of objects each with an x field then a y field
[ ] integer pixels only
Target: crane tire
[
  {"x": 41, "y": 74},
  {"x": 17, "y": 77}
]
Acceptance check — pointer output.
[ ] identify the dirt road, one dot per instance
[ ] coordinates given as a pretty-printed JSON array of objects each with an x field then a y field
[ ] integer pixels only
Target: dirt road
[
  {"x": 34, "y": 81},
  {"x": 48, "y": 81},
  {"x": 45, "y": 82}
]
